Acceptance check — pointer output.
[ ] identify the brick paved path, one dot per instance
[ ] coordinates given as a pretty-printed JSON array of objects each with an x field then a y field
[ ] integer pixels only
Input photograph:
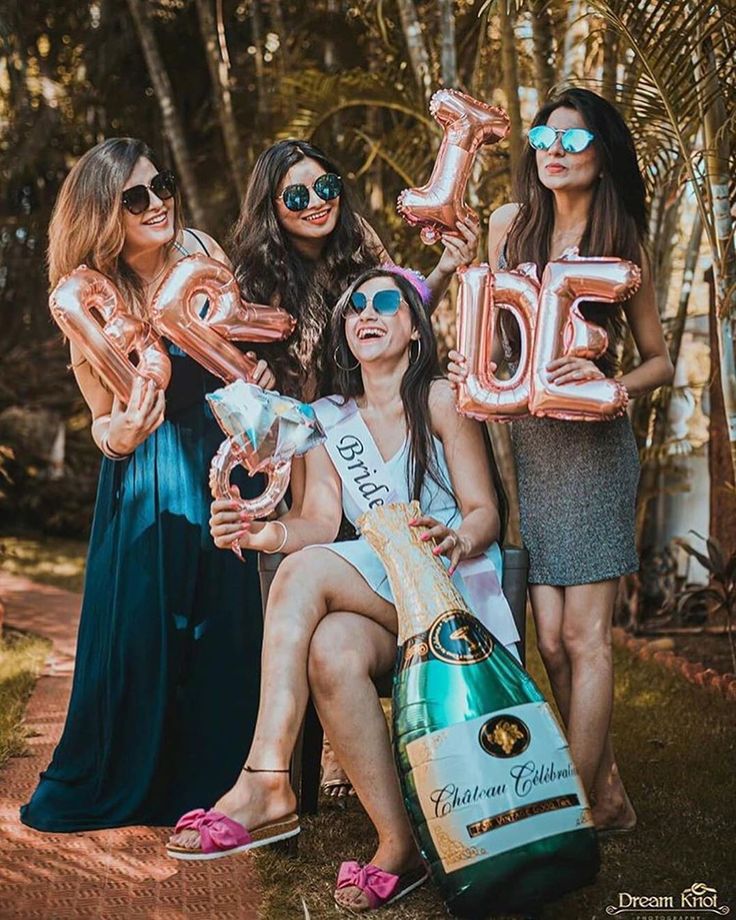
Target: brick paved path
[{"x": 105, "y": 875}]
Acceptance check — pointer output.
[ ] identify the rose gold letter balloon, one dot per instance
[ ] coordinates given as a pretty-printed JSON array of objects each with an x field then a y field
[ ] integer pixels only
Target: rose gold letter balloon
[
  {"x": 468, "y": 124},
  {"x": 119, "y": 346},
  {"x": 562, "y": 330},
  {"x": 481, "y": 294},
  {"x": 205, "y": 338}
]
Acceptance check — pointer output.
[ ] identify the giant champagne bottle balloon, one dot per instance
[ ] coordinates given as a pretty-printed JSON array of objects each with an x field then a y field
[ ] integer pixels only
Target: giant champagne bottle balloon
[{"x": 496, "y": 805}]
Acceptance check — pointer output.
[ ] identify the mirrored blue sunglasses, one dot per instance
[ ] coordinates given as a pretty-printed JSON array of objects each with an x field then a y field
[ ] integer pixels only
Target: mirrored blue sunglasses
[
  {"x": 385, "y": 302},
  {"x": 573, "y": 140}
]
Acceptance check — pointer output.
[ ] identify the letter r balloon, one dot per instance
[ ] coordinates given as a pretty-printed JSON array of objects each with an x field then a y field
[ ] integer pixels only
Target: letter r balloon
[
  {"x": 551, "y": 326},
  {"x": 208, "y": 339}
]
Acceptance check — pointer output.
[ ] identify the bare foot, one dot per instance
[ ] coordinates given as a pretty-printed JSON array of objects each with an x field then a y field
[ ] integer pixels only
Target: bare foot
[
  {"x": 334, "y": 783},
  {"x": 396, "y": 857},
  {"x": 256, "y": 799},
  {"x": 612, "y": 808}
]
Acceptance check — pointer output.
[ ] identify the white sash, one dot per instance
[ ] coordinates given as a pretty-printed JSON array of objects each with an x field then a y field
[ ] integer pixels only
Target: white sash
[{"x": 366, "y": 477}]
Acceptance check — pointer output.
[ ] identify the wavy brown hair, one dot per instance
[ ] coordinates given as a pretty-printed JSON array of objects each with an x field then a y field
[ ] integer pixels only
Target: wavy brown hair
[
  {"x": 87, "y": 222},
  {"x": 617, "y": 222},
  {"x": 270, "y": 270}
]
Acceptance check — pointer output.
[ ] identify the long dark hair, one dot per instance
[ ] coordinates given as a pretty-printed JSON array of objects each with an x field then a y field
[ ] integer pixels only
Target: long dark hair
[
  {"x": 424, "y": 367},
  {"x": 617, "y": 222},
  {"x": 269, "y": 268}
]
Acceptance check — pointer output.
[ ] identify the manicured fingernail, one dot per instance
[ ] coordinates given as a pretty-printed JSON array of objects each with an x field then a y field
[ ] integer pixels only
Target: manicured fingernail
[
  {"x": 451, "y": 569},
  {"x": 424, "y": 536},
  {"x": 435, "y": 550}
]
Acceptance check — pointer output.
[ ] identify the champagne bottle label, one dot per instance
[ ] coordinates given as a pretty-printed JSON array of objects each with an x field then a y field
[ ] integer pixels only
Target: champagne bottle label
[{"x": 524, "y": 789}]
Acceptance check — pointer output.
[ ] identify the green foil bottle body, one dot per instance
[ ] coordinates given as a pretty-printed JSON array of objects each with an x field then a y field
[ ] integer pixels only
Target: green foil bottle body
[{"x": 494, "y": 800}]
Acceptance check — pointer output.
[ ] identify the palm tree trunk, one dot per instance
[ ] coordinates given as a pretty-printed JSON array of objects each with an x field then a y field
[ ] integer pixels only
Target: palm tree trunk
[
  {"x": 610, "y": 63},
  {"x": 542, "y": 38},
  {"x": 448, "y": 53},
  {"x": 717, "y": 142},
  {"x": 173, "y": 130},
  {"x": 658, "y": 411},
  {"x": 418, "y": 55},
  {"x": 256, "y": 25},
  {"x": 720, "y": 463},
  {"x": 576, "y": 32},
  {"x": 220, "y": 78},
  {"x": 279, "y": 27},
  {"x": 511, "y": 85}
]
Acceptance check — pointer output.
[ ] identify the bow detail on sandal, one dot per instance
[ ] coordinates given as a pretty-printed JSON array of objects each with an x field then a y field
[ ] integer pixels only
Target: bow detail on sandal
[
  {"x": 216, "y": 831},
  {"x": 377, "y": 885}
]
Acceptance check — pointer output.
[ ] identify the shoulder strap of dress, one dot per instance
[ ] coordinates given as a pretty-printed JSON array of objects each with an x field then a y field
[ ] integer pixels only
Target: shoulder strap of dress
[{"x": 192, "y": 233}]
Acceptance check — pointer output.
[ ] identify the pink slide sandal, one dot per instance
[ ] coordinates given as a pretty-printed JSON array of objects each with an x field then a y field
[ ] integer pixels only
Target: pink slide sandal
[
  {"x": 380, "y": 888},
  {"x": 222, "y": 836}
]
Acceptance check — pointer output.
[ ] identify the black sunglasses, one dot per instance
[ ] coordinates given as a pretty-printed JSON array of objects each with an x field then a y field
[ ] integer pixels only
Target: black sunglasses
[
  {"x": 296, "y": 197},
  {"x": 137, "y": 198}
]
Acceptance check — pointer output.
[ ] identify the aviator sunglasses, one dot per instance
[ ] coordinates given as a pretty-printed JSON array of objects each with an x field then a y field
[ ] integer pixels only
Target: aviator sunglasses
[
  {"x": 385, "y": 302},
  {"x": 137, "y": 198},
  {"x": 296, "y": 197},
  {"x": 573, "y": 140}
]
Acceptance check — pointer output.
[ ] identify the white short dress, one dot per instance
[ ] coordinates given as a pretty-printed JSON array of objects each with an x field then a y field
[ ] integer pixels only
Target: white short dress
[{"x": 490, "y": 606}]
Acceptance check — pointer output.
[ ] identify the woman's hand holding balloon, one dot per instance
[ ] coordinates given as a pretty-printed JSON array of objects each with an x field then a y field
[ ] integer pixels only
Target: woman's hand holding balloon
[
  {"x": 263, "y": 376},
  {"x": 460, "y": 249},
  {"x": 570, "y": 369},
  {"x": 130, "y": 425},
  {"x": 448, "y": 541},
  {"x": 457, "y": 369},
  {"x": 230, "y": 524}
]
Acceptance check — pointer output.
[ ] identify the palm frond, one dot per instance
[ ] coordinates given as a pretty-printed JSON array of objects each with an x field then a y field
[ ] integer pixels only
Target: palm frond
[
  {"x": 670, "y": 42},
  {"x": 318, "y": 98}
]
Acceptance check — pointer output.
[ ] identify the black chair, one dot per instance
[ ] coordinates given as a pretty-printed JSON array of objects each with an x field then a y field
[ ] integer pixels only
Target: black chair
[{"x": 305, "y": 762}]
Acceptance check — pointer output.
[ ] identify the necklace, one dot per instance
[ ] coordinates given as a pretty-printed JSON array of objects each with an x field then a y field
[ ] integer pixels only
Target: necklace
[{"x": 147, "y": 284}]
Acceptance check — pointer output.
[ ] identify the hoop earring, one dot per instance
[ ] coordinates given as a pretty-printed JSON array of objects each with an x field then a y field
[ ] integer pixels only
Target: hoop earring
[
  {"x": 346, "y": 369},
  {"x": 419, "y": 351}
]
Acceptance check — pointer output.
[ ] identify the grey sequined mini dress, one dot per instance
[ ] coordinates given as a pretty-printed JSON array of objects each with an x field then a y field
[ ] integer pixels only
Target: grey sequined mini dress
[{"x": 577, "y": 498}]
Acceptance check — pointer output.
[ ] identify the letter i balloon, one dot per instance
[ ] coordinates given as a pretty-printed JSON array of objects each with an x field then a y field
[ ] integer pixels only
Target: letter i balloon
[{"x": 492, "y": 795}]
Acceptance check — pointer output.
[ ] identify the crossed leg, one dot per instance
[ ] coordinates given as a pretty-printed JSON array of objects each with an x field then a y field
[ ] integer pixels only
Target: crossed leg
[
  {"x": 348, "y": 652},
  {"x": 574, "y": 638},
  {"x": 308, "y": 585}
]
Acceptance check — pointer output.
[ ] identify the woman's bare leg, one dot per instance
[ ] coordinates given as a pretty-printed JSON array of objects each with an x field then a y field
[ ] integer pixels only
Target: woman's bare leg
[
  {"x": 347, "y": 653},
  {"x": 586, "y": 635},
  {"x": 307, "y": 586},
  {"x": 611, "y": 804}
]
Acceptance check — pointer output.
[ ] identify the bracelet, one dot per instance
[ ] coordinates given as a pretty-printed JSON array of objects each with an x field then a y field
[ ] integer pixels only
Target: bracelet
[
  {"x": 109, "y": 452},
  {"x": 282, "y": 544}
]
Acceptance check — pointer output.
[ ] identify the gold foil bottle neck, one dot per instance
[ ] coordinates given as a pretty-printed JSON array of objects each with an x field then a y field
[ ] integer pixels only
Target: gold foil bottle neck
[{"x": 420, "y": 584}]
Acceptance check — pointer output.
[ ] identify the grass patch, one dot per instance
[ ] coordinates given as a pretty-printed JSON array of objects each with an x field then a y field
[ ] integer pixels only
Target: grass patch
[
  {"x": 21, "y": 659},
  {"x": 49, "y": 560},
  {"x": 676, "y": 745}
]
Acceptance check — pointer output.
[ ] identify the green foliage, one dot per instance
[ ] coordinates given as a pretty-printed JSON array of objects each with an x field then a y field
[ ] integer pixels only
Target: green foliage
[
  {"x": 720, "y": 593},
  {"x": 21, "y": 659}
]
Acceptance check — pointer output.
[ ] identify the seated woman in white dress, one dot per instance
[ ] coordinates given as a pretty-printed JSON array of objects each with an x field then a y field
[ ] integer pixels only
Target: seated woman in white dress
[{"x": 392, "y": 435}]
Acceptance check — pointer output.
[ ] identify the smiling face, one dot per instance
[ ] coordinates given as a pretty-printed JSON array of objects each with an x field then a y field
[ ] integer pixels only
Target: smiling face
[
  {"x": 373, "y": 337},
  {"x": 317, "y": 221},
  {"x": 155, "y": 226},
  {"x": 561, "y": 171}
]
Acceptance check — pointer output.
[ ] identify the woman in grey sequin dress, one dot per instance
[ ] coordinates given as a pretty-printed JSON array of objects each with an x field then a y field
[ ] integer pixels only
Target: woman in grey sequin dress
[{"x": 579, "y": 185}]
